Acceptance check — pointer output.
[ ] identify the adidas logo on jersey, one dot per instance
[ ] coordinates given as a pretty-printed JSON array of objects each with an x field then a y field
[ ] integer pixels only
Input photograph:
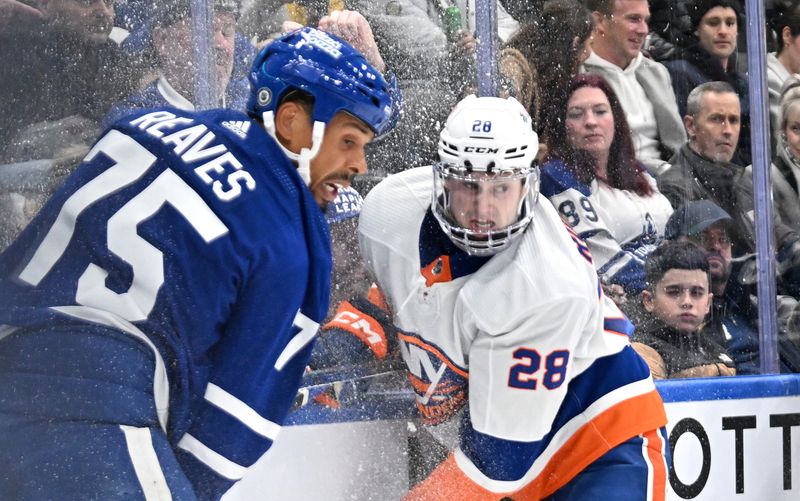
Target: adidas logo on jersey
[{"x": 239, "y": 128}]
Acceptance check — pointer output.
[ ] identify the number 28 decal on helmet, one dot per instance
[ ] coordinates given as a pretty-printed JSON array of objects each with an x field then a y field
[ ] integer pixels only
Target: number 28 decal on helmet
[{"x": 486, "y": 181}]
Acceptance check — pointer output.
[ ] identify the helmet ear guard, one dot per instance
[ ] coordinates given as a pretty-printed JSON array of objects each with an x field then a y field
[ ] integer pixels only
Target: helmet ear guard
[{"x": 487, "y": 143}]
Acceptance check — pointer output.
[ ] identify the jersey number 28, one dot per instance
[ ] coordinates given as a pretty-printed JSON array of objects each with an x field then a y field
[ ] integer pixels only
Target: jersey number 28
[{"x": 523, "y": 375}]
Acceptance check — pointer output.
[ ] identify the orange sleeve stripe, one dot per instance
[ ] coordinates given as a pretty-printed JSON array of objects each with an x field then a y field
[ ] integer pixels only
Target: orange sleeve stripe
[
  {"x": 609, "y": 429},
  {"x": 350, "y": 318},
  {"x": 432, "y": 349},
  {"x": 655, "y": 454}
]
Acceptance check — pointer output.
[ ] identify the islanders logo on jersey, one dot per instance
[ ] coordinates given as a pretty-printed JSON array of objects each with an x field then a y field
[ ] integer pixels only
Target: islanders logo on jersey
[{"x": 439, "y": 384}]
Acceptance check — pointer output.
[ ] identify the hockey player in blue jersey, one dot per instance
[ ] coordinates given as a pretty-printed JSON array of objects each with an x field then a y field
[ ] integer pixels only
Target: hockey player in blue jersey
[{"x": 157, "y": 315}]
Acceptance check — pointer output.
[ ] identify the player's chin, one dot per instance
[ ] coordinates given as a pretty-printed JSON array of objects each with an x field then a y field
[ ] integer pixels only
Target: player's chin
[{"x": 326, "y": 192}]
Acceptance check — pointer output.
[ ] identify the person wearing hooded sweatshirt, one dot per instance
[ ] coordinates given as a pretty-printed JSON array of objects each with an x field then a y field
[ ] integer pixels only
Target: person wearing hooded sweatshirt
[{"x": 733, "y": 316}]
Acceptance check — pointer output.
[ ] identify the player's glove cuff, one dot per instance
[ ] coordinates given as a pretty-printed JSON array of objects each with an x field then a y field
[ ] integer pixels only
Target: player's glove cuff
[{"x": 360, "y": 332}]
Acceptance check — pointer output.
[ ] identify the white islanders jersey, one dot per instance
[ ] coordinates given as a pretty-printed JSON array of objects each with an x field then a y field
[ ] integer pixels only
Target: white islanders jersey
[{"x": 525, "y": 337}]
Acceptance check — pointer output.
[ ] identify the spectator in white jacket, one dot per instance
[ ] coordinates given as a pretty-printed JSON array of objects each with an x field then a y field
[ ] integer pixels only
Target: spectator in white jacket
[{"x": 643, "y": 86}]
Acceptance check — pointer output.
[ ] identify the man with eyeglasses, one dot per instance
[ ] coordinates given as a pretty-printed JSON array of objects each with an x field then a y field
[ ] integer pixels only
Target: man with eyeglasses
[
  {"x": 733, "y": 319},
  {"x": 704, "y": 168}
]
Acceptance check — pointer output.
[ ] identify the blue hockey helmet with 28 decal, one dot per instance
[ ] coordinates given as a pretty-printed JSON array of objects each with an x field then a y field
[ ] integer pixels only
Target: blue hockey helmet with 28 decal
[{"x": 486, "y": 181}]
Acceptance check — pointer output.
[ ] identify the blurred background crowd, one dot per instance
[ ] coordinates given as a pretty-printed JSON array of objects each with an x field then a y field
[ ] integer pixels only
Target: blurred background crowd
[{"x": 641, "y": 108}]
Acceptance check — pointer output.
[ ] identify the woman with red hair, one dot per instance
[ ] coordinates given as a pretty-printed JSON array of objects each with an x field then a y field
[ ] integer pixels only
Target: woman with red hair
[{"x": 593, "y": 179}]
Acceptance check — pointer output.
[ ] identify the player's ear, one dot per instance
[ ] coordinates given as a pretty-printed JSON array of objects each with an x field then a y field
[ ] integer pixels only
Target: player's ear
[
  {"x": 647, "y": 301},
  {"x": 292, "y": 126}
]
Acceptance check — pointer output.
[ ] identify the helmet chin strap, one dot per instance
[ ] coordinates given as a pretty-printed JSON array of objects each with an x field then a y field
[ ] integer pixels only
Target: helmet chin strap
[{"x": 302, "y": 159}]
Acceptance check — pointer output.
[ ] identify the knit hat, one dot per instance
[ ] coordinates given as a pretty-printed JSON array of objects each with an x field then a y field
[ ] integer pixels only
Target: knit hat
[
  {"x": 698, "y": 9},
  {"x": 346, "y": 205},
  {"x": 694, "y": 217}
]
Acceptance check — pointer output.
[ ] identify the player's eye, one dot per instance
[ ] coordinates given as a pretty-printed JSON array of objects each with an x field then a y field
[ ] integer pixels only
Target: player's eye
[{"x": 501, "y": 189}]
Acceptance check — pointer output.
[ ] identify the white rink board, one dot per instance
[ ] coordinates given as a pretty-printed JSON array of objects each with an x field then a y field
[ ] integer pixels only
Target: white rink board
[
  {"x": 761, "y": 469},
  {"x": 367, "y": 460},
  {"x": 352, "y": 461}
]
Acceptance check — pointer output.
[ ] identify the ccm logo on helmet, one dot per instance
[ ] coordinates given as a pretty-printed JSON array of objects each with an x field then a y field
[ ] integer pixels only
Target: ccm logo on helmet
[{"x": 480, "y": 149}]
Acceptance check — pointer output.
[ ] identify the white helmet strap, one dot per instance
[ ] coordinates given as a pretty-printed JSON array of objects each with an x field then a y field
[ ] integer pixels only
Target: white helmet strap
[{"x": 302, "y": 159}]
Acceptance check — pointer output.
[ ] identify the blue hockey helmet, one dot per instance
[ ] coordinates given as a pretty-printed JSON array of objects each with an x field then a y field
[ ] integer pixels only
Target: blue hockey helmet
[{"x": 326, "y": 67}]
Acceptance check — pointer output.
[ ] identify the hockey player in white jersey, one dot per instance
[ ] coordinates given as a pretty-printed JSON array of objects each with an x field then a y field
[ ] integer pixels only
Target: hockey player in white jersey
[{"x": 503, "y": 325}]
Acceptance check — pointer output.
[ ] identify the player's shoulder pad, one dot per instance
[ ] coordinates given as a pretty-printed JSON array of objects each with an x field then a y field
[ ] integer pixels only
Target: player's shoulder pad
[
  {"x": 557, "y": 177},
  {"x": 401, "y": 188},
  {"x": 200, "y": 130}
]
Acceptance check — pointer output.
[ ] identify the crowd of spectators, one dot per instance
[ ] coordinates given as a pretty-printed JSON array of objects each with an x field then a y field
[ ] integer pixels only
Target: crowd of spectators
[{"x": 642, "y": 109}]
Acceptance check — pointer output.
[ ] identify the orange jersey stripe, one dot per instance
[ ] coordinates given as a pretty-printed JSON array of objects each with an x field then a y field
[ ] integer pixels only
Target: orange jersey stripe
[
  {"x": 607, "y": 430},
  {"x": 655, "y": 455}
]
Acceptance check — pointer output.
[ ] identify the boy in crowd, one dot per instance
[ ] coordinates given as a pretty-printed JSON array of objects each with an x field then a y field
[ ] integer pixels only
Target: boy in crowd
[{"x": 677, "y": 301}]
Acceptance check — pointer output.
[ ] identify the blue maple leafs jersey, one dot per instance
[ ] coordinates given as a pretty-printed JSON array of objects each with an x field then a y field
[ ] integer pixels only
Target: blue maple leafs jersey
[{"x": 193, "y": 233}]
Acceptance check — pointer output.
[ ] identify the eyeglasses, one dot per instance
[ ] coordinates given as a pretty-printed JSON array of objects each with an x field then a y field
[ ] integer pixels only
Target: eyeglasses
[
  {"x": 710, "y": 241},
  {"x": 677, "y": 292}
]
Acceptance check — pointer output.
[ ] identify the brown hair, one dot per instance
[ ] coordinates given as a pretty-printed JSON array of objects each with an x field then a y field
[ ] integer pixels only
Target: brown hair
[
  {"x": 624, "y": 171},
  {"x": 550, "y": 49}
]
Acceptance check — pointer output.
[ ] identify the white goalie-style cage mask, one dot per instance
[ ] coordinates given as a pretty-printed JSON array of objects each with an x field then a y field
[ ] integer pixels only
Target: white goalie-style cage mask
[{"x": 486, "y": 181}]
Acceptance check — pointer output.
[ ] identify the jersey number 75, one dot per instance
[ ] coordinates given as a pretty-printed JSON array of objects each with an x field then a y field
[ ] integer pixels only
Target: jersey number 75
[{"x": 131, "y": 162}]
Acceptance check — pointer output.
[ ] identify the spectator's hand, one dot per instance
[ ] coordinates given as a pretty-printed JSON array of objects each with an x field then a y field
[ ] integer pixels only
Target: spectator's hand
[
  {"x": 17, "y": 16},
  {"x": 288, "y": 26},
  {"x": 616, "y": 293},
  {"x": 464, "y": 43},
  {"x": 353, "y": 28}
]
